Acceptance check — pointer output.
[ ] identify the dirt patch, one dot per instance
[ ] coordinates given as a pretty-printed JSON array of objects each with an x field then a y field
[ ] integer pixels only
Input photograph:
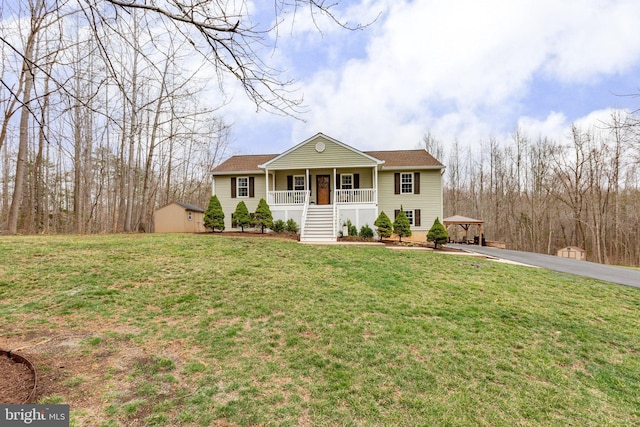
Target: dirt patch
[{"x": 16, "y": 381}]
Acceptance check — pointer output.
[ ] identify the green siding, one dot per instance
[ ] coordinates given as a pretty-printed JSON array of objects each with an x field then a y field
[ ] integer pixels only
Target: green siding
[
  {"x": 222, "y": 188},
  {"x": 334, "y": 155},
  {"x": 429, "y": 201}
]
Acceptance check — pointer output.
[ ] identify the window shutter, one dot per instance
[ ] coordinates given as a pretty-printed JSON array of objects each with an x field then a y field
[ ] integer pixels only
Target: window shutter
[
  {"x": 338, "y": 182},
  {"x": 397, "y": 182},
  {"x": 289, "y": 182},
  {"x": 416, "y": 183},
  {"x": 395, "y": 214},
  {"x": 416, "y": 217},
  {"x": 356, "y": 180},
  {"x": 233, "y": 188},
  {"x": 252, "y": 187}
]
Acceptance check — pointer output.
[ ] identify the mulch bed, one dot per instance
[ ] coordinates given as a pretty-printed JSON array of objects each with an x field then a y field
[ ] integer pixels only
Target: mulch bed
[
  {"x": 16, "y": 381},
  {"x": 288, "y": 236}
]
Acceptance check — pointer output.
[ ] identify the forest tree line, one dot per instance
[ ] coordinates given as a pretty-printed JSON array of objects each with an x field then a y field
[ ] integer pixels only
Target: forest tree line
[
  {"x": 538, "y": 194},
  {"x": 107, "y": 108},
  {"x": 103, "y": 119}
]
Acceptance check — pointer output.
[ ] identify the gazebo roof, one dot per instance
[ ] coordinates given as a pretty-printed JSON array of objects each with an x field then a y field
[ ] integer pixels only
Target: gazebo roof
[{"x": 459, "y": 219}]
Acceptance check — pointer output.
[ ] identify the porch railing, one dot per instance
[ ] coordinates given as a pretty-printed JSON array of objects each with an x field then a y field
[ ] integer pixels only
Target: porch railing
[
  {"x": 295, "y": 197},
  {"x": 361, "y": 195}
]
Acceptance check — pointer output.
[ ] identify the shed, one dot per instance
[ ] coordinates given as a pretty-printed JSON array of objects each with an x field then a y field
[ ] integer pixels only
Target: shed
[
  {"x": 465, "y": 223},
  {"x": 178, "y": 217},
  {"x": 573, "y": 252}
]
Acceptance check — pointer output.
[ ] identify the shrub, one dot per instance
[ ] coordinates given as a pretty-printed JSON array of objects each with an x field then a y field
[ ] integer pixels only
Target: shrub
[
  {"x": 384, "y": 226},
  {"x": 241, "y": 216},
  {"x": 401, "y": 225},
  {"x": 352, "y": 230},
  {"x": 278, "y": 226},
  {"x": 291, "y": 226},
  {"x": 437, "y": 233},
  {"x": 262, "y": 217},
  {"x": 366, "y": 232},
  {"x": 214, "y": 216}
]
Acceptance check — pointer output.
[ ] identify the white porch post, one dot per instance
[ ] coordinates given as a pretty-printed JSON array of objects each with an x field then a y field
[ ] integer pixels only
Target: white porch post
[
  {"x": 266, "y": 183},
  {"x": 307, "y": 182},
  {"x": 334, "y": 187},
  {"x": 375, "y": 183}
]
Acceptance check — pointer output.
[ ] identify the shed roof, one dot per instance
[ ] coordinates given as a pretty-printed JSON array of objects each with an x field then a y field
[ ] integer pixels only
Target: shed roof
[{"x": 190, "y": 207}]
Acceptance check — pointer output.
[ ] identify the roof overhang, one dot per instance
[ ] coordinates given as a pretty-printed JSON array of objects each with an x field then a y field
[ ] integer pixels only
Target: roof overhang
[{"x": 246, "y": 172}]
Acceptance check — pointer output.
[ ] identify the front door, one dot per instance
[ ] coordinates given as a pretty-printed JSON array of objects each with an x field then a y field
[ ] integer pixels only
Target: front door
[{"x": 322, "y": 190}]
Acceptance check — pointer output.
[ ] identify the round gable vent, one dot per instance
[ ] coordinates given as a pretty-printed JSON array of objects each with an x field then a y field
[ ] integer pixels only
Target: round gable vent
[{"x": 320, "y": 147}]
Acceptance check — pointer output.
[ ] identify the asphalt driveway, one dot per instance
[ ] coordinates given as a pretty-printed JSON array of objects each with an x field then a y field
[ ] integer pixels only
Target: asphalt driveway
[{"x": 608, "y": 273}]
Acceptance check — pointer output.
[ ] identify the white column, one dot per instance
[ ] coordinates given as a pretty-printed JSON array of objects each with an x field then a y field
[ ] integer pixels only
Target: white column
[
  {"x": 375, "y": 182},
  {"x": 334, "y": 187},
  {"x": 266, "y": 184}
]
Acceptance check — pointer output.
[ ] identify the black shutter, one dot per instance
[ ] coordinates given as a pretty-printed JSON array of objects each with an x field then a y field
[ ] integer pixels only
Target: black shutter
[
  {"x": 356, "y": 180},
  {"x": 396, "y": 177},
  {"x": 416, "y": 183},
  {"x": 233, "y": 188},
  {"x": 416, "y": 217},
  {"x": 289, "y": 182},
  {"x": 338, "y": 182},
  {"x": 252, "y": 187}
]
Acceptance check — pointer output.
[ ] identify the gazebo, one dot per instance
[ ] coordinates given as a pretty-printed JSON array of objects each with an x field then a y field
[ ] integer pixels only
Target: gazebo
[{"x": 465, "y": 223}]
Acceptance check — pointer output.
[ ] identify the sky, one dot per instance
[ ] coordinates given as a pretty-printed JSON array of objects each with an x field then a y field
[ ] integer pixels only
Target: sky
[{"x": 462, "y": 70}]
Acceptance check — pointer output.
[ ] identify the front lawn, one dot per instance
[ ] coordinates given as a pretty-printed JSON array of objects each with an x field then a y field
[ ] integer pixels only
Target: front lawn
[{"x": 214, "y": 330}]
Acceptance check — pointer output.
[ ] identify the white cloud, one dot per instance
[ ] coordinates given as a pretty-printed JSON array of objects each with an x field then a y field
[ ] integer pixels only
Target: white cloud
[{"x": 465, "y": 70}]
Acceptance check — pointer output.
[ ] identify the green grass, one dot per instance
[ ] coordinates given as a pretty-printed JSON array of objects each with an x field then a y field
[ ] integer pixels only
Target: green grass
[{"x": 205, "y": 330}]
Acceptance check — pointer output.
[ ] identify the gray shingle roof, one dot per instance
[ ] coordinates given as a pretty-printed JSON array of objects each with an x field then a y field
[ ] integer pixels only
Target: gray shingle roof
[{"x": 189, "y": 207}]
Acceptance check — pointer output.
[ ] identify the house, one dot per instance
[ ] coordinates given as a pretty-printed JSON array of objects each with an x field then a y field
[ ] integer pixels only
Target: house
[
  {"x": 179, "y": 217},
  {"x": 321, "y": 183}
]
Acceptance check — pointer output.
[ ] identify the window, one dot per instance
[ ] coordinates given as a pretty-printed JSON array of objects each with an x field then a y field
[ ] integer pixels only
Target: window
[
  {"x": 243, "y": 187},
  {"x": 413, "y": 215},
  {"x": 406, "y": 183},
  {"x": 346, "y": 181},
  {"x": 190, "y": 216},
  {"x": 410, "y": 215},
  {"x": 298, "y": 183}
]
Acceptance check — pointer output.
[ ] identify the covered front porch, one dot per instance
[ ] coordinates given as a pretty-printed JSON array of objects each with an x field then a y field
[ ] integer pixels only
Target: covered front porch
[
  {"x": 322, "y": 186},
  {"x": 321, "y": 200}
]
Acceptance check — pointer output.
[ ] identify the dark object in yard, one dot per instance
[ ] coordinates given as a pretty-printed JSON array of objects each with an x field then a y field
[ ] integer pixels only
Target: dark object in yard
[
  {"x": 475, "y": 240},
  {"x": 18, "y": 379}
]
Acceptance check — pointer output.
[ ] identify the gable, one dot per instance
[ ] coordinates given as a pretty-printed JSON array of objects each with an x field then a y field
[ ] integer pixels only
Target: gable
[{"x": 321, "y": 151}]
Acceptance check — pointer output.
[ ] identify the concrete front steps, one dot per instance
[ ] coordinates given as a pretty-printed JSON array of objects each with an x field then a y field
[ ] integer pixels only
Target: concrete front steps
[{"x": 319, "y": 224}]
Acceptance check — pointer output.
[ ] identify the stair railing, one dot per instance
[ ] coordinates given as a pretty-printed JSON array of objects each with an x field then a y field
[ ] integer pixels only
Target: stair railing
[{"x": 305, "y": 208}]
